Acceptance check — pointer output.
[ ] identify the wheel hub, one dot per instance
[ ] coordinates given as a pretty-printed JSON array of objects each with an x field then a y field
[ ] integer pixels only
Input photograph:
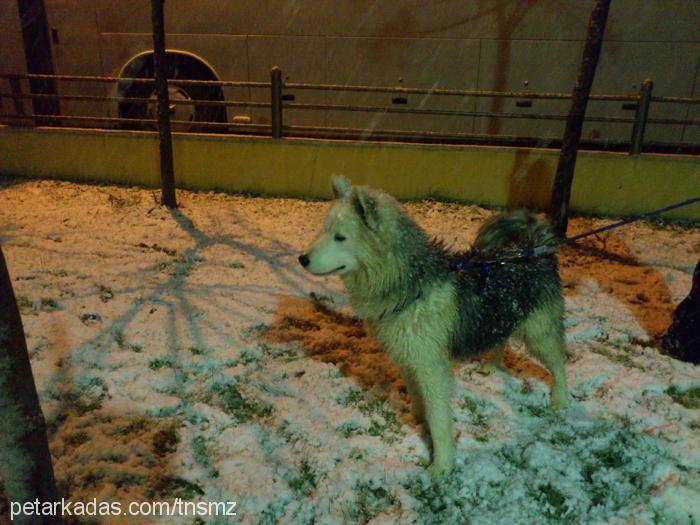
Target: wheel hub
[{"x": 179, "y": 112}]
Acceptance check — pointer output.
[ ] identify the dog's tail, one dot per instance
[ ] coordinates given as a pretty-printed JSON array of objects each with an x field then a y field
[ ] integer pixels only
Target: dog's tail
[{"x": 516, "y": 230}]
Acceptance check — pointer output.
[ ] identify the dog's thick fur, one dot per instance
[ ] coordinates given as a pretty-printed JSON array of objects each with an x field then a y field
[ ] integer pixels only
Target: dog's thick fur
[{"x": 424, "y": 312}]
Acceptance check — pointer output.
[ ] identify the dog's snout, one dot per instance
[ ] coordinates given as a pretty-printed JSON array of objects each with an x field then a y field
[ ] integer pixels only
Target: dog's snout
[{"x": 304, "y": 260}]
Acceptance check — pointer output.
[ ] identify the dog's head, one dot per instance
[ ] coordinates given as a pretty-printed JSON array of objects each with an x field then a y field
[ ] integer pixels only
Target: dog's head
[{"x": 349, "y": 231}]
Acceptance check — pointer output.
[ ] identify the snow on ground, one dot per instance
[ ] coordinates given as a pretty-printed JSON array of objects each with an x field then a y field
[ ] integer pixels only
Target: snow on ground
[{"x": 186, "y": 354}]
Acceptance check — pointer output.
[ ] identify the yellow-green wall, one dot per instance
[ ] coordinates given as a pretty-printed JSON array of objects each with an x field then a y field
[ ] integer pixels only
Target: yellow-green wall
[{"x": 605, "y": 183}]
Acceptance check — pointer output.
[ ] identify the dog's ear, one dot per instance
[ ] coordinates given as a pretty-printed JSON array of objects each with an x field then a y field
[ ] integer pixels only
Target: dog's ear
[
  {"x": 341, "y": 186},
  {"x": 365, "y": 206}
]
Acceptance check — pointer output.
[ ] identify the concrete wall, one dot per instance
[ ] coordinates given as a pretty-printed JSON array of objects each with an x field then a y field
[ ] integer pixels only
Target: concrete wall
[{"x": 605, "y": 183}]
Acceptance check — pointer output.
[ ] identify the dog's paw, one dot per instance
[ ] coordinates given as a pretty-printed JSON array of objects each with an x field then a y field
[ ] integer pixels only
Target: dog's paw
[
  {"x": 439, "y": 469},
  {"x": 560, "y": 402},
  {"x": 487, "y": 368}
]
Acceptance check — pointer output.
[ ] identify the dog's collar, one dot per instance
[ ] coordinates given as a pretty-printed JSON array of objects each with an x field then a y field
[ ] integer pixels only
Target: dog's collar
[{"x": 400, "y": 307}]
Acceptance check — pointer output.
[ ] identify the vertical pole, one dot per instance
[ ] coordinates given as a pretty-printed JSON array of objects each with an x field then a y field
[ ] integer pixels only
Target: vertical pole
[
  {"x": 25, "y": 461},
  {"x": 167, "y": 173},
  {"x": 276, "y": 102},
  {"x": 561, "y": 193},
  {"x": 16, "y": 88},
  {"x": 640, "y": 117},
  {"x": 37, "y": 53}
]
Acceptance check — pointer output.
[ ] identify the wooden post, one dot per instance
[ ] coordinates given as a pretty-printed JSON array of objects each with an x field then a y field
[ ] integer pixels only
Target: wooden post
[
  {"x": 25, "y": 461},
  {"x": 640, "y": 117},
  {"x": 37, "y": 53},
  {"x": 276, "y": 102},
  {"x": 561, "y": 193},
  {"x": 167, "y": 173}
]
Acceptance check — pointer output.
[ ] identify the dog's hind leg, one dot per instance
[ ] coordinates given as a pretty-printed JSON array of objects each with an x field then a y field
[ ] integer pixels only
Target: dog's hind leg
[{"x": 543, "y": 331}]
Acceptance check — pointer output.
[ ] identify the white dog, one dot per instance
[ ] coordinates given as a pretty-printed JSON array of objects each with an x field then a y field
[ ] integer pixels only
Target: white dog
[{"x": 426, "y": 305}]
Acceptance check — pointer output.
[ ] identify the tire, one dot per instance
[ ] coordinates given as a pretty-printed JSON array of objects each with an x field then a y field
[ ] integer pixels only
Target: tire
[{"x": 182, "y": 67}]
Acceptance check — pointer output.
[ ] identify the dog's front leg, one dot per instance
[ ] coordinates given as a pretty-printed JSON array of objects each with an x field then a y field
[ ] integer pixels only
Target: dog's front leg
[
  {"x": 434, "y": 381},
  {"x": 414, "y": 395}
]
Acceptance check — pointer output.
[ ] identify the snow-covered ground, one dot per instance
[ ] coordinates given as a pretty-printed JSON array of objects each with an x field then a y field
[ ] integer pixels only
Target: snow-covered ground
[{"x": 187, "y": 354}]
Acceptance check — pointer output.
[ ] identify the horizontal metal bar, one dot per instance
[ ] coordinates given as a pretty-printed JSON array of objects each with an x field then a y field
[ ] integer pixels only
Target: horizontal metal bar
[
  {"x": 126, "y": 80},
  {"x": 676, "y": 100},
  {"x": 139, "y": 100},
  {"x": 366, "y": 134},
  {"x": 449, "y": 92},
  {"x": 448, "y": 112},
  {"x": 674, "y": 121},
  {"x": 261, "y": 126},
  {"x": 396, "y": 132},
  {"x": 354, "y": 88},
  {"x": 331, "y": 107},
  {"x": 437, "y": 137},
  {"x": 679, "y": 122},
  {"x": 121, "y": 120}
]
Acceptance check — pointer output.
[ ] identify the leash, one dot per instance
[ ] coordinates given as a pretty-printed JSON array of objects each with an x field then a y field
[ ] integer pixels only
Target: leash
[{"x": 527, "y": 253}]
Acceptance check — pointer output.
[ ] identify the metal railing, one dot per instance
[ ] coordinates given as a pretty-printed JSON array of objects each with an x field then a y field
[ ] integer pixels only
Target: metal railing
[{"x": 281, "y": 100}]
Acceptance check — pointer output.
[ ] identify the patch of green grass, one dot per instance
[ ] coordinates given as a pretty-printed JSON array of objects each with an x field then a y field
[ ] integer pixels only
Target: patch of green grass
[
  {"x": 389, "y": 423},
  {"x": 135, "y": 426},
  {"x": 563, "y": 438},
  {"x": 278, "y": 352},
  {"x": 170, "y": 411},
  {"x": 90, "y": 318},
  {"x": 173, "y": 487},
  {"x": 554, "y": 503},
  {"x": 305, "y": 480},
  {"x": 383, "y": 419},
  {"x": 535, "y": 410},
  {"x": 106, "y": 293},
  {"x": 166, "y": 440},
  {"x": 273, "y": 513},
  {"x": 620, "y": 356},
  {"x": 202, "y": 453},
  {"x": 123, "y": 478},
  {"x": 351, "y": 397},
  {"x": 350, "y": 428},
  {"x": 237, "y": 405},
  {"x": 247, "y": 357},
  {"x": 26, "y": 306},
  {"x": 254, "y": 330},
  {"x": 79, "y": 400},
  {"x": 49, "y": 305},
  {"x": 689, "y": 398},
  {"x": 368, "y": 502},
  {"x": 76, "y": 438},
  {"x": 112, "y": 457},
  {"x": 289, "y": 436},
  {"x": 120, "y": 340},
  {"x": 160, "y": 362},
  {"x": 477, "y": 417}
]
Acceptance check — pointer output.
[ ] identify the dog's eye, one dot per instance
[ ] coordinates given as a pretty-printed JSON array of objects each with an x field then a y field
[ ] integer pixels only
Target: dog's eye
[{"x": 338, "y": 237}]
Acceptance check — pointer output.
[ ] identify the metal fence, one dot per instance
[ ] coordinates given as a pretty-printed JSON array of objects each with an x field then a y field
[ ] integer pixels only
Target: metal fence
[{"x": 281, "y": 100}]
